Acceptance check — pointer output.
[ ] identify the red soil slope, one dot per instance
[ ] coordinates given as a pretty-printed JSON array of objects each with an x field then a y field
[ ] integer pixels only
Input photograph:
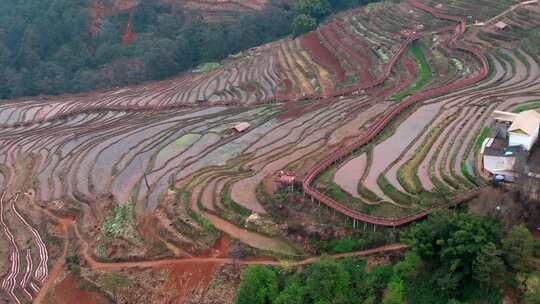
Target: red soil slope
[
  {"x": 68, "y": 292},
  {"x": 322, "y": 55},
  {"x": 129, "y": 36},
  {"x": 99, "y": 10}
]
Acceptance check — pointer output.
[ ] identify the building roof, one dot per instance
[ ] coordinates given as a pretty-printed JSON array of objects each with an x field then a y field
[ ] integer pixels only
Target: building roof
[
  {"x": 504, "y": 116},
  {"x": 499, "y": 147},
  {"x": 241, "y": 127},
  {"x": 526, "y": 122},
  {"x": 287, "y": 179},
  {"x": 501, "y": 25}
]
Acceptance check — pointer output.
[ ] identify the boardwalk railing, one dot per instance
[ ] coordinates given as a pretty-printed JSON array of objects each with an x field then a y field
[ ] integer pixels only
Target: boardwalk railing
[{"x": 345, "y": 151}]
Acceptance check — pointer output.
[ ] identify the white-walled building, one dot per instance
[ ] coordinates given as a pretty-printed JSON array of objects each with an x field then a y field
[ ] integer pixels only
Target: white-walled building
[
  {"x": 512, "y": 139},
  {"x": 524, "y": 130}
]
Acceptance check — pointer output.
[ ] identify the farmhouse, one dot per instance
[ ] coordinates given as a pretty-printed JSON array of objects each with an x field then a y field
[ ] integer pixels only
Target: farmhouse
[
  {"x": 241, "y": 127},
  {"x": 515, "y": 134},
  {"x": 501, "y": 26},
  {"x": 524, "y": 129}
]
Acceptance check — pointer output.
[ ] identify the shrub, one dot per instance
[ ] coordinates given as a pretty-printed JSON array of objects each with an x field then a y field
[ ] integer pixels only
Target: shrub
[
  {"x": 259, "y": 286},
  {"x": 303, "y": 24}
]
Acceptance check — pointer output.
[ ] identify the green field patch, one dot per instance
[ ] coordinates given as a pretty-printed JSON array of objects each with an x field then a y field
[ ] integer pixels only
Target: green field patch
[
  {"x": 423, "y": 77},
  {"x": 484, "y": 133},
  {"x": 205, "y": 67},
  {"x": 186, "y": 140},
  {"x": 393, "y": 193},
  {"x": 120, "y": 224},
  {"x": 527, "y": 106}
]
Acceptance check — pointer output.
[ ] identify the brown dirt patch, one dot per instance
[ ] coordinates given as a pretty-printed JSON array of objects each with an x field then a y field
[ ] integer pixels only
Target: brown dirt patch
[
  {"x": 322, "y": 55},
  {"x": 220, "y": 249},
  {"x": 68, "y": 292},
  {"x": 377, "y": 261},
  {"x": 129, "y": 37},
  {"x": 189, "y": 280}
]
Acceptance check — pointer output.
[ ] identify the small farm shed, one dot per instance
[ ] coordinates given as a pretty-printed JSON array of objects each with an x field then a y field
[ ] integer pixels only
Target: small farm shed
[
  {"x": 241, "y": 127},
  {"x": 501, "y": 26},
  {"x": 506, "y": 117}
]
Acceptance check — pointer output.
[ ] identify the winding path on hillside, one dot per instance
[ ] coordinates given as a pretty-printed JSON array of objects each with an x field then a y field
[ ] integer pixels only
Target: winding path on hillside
[
  {"x": 91, "y": 263},
  {"x": 374, "y": 131}
]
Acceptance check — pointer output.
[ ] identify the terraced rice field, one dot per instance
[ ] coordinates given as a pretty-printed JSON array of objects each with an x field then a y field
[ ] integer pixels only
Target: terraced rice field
[{"x": 319, "y": 107}]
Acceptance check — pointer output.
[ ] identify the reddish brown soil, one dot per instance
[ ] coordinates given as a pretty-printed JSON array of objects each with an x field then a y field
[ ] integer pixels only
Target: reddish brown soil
[
  {"x": 68, "y": 292},
  {"x": 288, "y": 87},
  {"x": 536, "y": 234},
  {"x": 220, "y": 248},
  {"x": 147, "y": 226},
  {"x": 362, "y": 58},
  {"x": 187, "y": 280},
  {"x": 322, "y": 55},
  {"x": 129, "y": 37},
  {"x": 409, "y": 65},
  {"x": 99, "y": 10},
  {"x": 294, "y": 110}
]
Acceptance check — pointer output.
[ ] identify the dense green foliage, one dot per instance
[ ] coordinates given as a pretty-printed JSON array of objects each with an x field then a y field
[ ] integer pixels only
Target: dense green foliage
[
  {"x": 328, "y": 281},
  {"x": 46, "y": 46},
  {"x": 259, "y": 286},
  {"x": 466, "y": 258},
  {"x": 454, "y": 258},
  {"x": 309, "y": 13},
  {"x": 117, "y": 224}
]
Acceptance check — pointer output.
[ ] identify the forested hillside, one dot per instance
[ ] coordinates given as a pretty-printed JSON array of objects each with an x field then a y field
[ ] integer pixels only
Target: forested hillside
[{"x": 69, "y": 46}]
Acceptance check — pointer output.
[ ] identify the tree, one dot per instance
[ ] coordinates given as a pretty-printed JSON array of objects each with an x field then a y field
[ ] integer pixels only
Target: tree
[
  {"x": 410, "y": 268},
  {"x": 327, "y": 282},
  {"x": 488, "y": 266},
  {"x": 518, "y": 248},
  {"x": 395, "y": 293},
  {"x": 160, "y": 58},
  {"x": 459, "y": 248},
  {"x": 294, "y": 292},
  {"x": 532, "y": 297},
  {"x": 317, "y": 9},
  {"x": 5, "y": 55},
  {"x": 259, "y": 286},
  {"x": 49, "y": 78},
  {"x": 303, "y": 24}
]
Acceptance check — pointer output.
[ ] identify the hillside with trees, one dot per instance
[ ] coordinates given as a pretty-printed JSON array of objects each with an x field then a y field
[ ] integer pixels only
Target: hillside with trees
[
  {"x": 348, "y": 164},
  {"x": 51, "y": 47},
  {"x": 454, "y": 258}
]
